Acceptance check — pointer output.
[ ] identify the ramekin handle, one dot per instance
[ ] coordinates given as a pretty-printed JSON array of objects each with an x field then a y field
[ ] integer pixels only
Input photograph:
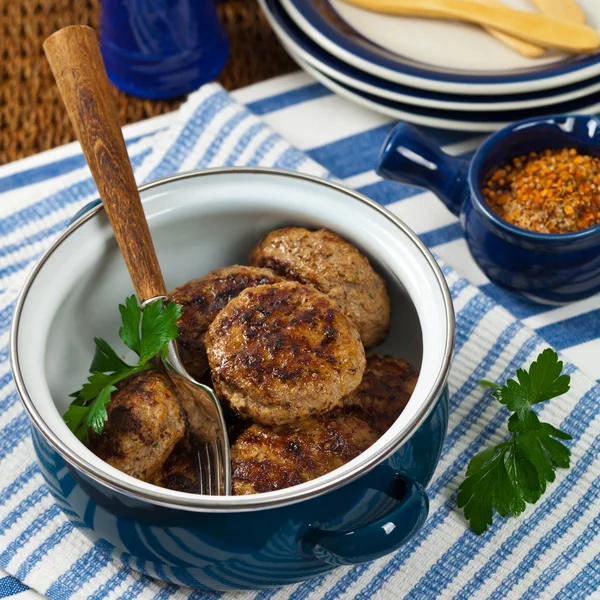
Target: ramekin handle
[{"x": 408, "y": 156}]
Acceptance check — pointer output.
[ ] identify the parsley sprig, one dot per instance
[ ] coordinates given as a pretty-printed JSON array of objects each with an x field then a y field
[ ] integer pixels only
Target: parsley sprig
[
  {"x": 515, "y": 472},
  {"x": 147, "y": 332}
]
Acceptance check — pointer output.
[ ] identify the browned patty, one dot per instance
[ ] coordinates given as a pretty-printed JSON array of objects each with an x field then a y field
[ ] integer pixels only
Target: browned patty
[
  {"x": 144, "y": 425},
  {"x": 180, "y": 471},
  {"x": 384, "y": 391},
  {"x": 202, "y": 299},
  {"x": 282, "y": 352},
  {"x": 267, "y": 459},
  {"x": 336, "y": 268}
]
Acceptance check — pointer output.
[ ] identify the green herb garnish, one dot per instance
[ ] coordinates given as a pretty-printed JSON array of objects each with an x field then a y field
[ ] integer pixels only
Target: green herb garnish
[
  {"x": 515, "y": 472},
  {"x": 147, "y": 332}
]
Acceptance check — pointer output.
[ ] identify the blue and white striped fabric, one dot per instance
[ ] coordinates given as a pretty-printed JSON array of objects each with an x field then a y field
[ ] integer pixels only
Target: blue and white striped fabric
[{"x": 553, "y": 550}]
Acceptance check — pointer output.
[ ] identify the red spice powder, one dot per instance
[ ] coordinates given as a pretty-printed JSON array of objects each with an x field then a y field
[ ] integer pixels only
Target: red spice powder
[{"x": 552, "y": 191}]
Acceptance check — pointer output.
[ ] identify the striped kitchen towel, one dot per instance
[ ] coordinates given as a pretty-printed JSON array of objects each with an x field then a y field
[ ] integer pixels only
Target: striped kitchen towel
[
  {"x": 553, "y": 550},
  {"x": 345, "y": 139}
]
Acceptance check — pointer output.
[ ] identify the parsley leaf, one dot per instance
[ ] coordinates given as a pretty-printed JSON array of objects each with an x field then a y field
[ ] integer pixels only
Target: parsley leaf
[
  {"x": 75, "y": 418},
  {"x": 97, "y": 414},
  {"x": 106, "y": 359},
  {"x": 514, "y": 473},
  {"x": 487, "y": 486},
  {"x": 130, "y": 316},
  {"x": 96, "y": 382},
  {"x": 543, "y": 382},
  {"x": 525, "y": 482},
  {"x": 147, "y": 333},
  {"x": 159, "y": 327},
  {"x": 80, "y": 419}
]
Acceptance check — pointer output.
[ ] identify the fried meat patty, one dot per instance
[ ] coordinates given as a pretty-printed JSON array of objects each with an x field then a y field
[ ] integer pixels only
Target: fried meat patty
[
  {"x": 144, "y": 425},
  {"x": 384, "y": 391},
  {"x": 282, "y": 352},
  {"x": 336, "y": 268},
  {"x": 202, "y": 299},
  {"x": 180, "y": 470},
  {"x": 266, "y": 459}
]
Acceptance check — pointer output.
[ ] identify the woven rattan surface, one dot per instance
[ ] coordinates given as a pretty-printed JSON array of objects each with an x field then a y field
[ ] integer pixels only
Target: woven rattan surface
[{"x": 32, "y": 117}]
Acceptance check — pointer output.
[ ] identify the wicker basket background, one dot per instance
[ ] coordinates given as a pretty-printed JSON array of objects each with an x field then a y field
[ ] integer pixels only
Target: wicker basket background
[{"x": 32, "y": 117}]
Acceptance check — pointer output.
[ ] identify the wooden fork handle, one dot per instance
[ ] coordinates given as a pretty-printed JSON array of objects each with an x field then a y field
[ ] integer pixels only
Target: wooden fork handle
[{"x": 76, "y": 62}]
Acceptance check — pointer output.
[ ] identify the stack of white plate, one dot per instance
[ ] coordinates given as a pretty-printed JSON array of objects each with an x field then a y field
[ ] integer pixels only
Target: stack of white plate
[{"x": 431, "y": 72}]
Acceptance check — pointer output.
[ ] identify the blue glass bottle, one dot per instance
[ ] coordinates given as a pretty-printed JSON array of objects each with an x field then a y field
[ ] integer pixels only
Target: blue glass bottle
[{"x": 161, "y": 48}]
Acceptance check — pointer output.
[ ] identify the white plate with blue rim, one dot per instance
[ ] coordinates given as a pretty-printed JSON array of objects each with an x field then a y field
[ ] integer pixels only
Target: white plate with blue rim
[
  {"x": 437, "y": 55},
  {"x": 315, "y": 56},
  {"x": 442, "y": 119}
]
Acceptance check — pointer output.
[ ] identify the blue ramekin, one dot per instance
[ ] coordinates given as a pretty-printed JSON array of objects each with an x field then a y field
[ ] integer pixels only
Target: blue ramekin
[{"x": 548, "y": 268}]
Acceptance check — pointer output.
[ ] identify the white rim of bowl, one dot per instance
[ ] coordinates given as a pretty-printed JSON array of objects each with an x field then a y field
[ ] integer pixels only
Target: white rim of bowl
[{"x": 196, "y": 502}]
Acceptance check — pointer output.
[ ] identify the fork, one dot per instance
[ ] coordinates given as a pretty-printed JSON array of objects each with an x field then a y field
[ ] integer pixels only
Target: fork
[
  {"x": 76, "y": 63},
  {"x": 206, "y": 424}
]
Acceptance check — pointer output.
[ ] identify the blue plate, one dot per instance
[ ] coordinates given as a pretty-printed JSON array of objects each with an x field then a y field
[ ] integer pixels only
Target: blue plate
[
  {"x": 467, "y": 120},
  {"x": 310, "y": 52},
  {"x": 319, "y": 20}
]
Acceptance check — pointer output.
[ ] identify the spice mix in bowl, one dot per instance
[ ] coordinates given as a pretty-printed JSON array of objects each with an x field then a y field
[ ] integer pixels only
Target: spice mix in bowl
[{"x": 552, "y": 191}]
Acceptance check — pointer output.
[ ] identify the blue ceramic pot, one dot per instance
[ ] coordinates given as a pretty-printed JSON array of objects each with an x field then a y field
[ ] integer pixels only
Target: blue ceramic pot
[
  {"x": 200, "y": 221},
  {"x": 553, "y": 268},
  {"x": 358, "y": 522}
]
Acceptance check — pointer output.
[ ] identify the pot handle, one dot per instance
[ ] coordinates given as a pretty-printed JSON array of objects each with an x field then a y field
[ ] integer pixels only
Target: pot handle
[
  {"x": 408, "y": 156},
  {"x": 376, "y": 539}
]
